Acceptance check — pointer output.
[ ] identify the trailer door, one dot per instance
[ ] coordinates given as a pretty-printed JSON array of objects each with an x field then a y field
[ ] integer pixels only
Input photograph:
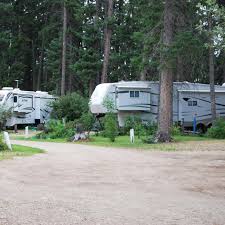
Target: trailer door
[{"x": 25, "y": 103}]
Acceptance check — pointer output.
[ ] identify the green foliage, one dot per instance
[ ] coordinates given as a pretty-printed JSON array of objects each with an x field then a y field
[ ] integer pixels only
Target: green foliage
[
  {"x": 3, "y": 146},
  {"x": 31, "y": 42},
  {"x": 4, "y": 115},
  {"x": 70, "y": 106},
  {"x": 111, "y": 126},
  {"x": 217, "y": 130},
  {"x": 140, "y": 129},
  {"x": 56, "y": 129},
  {"x": 135, "y": 123},
  {"x": 176, "y": 130},
  {"x": 18, "y": 151},
  {"x": 87, "y": 121},
  {"x": 109, "y": 104}
]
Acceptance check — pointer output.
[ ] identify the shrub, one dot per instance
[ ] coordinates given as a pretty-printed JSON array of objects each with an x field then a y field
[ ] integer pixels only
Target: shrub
[
  {"x": 4, "y": 115},
  {"x": 110, "y": 126},
  {"x": 87, "y": 120},
  {"x": 56, "y": 129},
  {"x": 151, "y": 128},
  {"x": 176, "y": 130},
  {"x": 70, "y": 106},
  {"x": 3, "y": 146},
  {"x": 217, "y": 130},
  {"x": 140, "y": 129}
]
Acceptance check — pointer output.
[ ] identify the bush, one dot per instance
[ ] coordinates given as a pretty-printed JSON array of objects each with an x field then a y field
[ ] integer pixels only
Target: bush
[
  {"x": 176, "y": 130},
  {"x": 3, "y": 146},
  {"x": 217, "y": 130},
  {"x": 151, "y": 128},
  {"x": 70, "y": 106},
  {"x": 111, "y": 126},
  {"x": 140, "y": 129},
  {"x": 56, "y": 129},
  {"x": 87, "y": 120},
  {"x": 4, "y": 115}
]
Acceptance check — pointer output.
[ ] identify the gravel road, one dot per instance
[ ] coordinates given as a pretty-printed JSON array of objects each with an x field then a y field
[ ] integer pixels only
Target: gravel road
[{"x": 78, "y": 184}]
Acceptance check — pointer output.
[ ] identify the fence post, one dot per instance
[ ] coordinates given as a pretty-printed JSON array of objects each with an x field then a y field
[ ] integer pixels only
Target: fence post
[{"x": 7, "y": 140}]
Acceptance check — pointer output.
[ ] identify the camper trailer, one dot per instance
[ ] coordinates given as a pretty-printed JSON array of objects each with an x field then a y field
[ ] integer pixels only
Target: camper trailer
[
  {"x": 27, "y": 107},
  {"x": 141, "y": 98}
]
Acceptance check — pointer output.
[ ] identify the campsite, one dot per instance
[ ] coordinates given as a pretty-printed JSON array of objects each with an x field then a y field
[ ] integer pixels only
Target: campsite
[{"x": 112, "y": 112}]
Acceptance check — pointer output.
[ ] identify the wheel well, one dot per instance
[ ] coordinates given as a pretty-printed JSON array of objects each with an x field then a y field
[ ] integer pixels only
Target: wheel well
[{"x": 201, "y": 127}]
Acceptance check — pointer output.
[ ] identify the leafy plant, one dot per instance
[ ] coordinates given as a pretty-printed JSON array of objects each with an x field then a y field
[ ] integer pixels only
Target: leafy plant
[
  {"x": 3, "y": 146},
  {"x": 217, "y": 130},
  {"x": 87, "y": 120},
  {"x": 4, "y": 115},
  {"x": 111, "y": 126},
  {"x": 110, "y": 121},
  {"x": 176, "y": 130},
  {"x": 70, "y": 106},
  {"x": 140, "y": 129},
  {"x": 56, "y": 129}
]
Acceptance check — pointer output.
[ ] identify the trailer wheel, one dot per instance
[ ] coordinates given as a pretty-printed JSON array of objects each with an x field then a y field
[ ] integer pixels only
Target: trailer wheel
[{"x": 201, "y": 128}]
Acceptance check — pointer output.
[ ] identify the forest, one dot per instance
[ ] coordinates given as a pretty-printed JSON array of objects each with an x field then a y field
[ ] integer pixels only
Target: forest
[{"x": 73, "y": 45}]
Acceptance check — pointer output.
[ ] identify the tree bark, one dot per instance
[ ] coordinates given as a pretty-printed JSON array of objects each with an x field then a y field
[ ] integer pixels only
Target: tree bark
[
  {"x": 166, "y": 77},
  {"x": 107, "y": 41},
  {"x": 40, "y": 69},
  {"x": 97, "y": 46},
  {"x": 63, "y": 77},
  {"x": 181, "y": 25},
  {"x": 211, "y": 70},
  {"x": 33, "y": 66},
  {"x": 70, "y": 81}
]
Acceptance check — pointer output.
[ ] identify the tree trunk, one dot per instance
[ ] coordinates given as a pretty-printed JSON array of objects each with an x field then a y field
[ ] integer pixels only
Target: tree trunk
[
  {"x": 181, "y": 26},
  {"x": 33, "y": 67},
  {"x": 107, "y": 41},
  {"x": 40, "y": 69},
  {"x": 70, "y": 81},
  {"x": 63, "y": 77},
  {"x": 166, "y": 78},
  {"x": 211, "y": 71},
  {"x": 95, "y": 80}
]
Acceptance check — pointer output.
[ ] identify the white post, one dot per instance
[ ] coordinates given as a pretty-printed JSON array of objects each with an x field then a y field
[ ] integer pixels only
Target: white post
[
  {"x": 7, "y": 140},
  {"x": 27, "y": 132},
  {"x": 132, "y": 136},
  {"x": 64, "y": 121}
]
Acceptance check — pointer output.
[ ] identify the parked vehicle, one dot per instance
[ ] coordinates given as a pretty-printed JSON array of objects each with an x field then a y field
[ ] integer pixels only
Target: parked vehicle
[
  {"x": 191, "y": 101},
  {"x": 27, "y": 107}
]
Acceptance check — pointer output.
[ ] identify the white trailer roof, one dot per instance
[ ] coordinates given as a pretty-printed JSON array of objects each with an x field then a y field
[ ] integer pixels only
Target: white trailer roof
[{"x": 203, "y": 91}]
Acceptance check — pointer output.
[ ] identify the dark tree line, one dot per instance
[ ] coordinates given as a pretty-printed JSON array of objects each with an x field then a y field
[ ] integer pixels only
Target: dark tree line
[{"x": 72, "y": 45}]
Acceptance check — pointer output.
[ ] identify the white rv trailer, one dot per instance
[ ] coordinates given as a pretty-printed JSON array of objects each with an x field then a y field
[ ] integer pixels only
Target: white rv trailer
[
  {"x": 141, "y": 99},
  {"x": 27, "y": 107}
]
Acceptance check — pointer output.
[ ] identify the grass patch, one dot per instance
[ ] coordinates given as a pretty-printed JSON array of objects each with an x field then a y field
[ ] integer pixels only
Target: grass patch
[
  {"x": 183, "y": 138},
  {"x": 57, "y": 140},
  {"x": 19, "y": 150},
  {"x": 124, "y": 142}
]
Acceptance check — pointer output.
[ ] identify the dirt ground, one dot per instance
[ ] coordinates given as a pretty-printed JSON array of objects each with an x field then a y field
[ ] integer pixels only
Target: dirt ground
[{"x": 78, "y": 184}]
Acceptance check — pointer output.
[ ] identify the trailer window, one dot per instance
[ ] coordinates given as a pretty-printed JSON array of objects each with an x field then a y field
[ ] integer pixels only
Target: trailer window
[
  {"x": 15, "y": 99},
  {"x": 192, "y": 103},
  {"x": 134, "y": 94}
]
